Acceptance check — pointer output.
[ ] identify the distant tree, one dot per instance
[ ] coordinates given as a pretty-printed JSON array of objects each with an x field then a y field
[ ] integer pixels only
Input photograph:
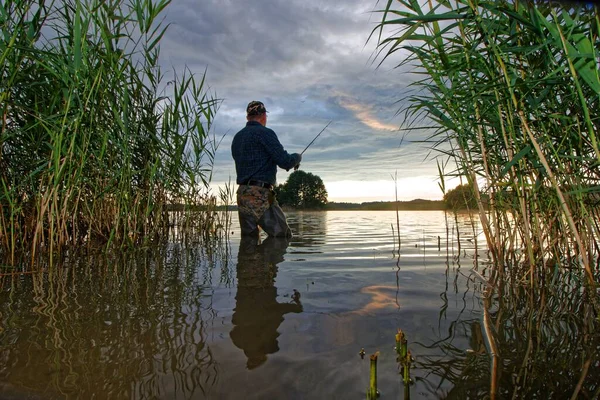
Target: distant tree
[
  {"x": 461, "y": 197},
  {"x": 302, "y": 190}
]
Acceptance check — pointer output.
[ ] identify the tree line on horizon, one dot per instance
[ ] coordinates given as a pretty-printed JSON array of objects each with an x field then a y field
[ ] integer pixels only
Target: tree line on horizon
[{"x": 306, "y": 191}]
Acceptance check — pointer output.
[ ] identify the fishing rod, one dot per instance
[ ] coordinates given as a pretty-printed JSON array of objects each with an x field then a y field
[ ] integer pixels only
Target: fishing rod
[{"x": 312, "y": 141}]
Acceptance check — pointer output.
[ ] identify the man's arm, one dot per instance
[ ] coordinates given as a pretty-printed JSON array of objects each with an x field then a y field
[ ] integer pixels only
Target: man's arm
[{"x": 282, "y": 158}]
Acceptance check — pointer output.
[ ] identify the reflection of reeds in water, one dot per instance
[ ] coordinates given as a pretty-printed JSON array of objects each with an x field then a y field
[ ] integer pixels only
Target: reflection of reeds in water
[
  {"x": 545, "y": 346},
  {"x": 129, "y": 326}
]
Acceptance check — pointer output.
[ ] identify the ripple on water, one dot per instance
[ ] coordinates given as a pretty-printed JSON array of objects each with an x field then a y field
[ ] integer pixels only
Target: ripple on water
[{"x": 270, "y": 321}]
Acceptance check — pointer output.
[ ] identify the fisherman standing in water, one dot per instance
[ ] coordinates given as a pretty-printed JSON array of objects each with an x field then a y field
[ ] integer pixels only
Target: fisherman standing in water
[{"x": 257, "y": 153}]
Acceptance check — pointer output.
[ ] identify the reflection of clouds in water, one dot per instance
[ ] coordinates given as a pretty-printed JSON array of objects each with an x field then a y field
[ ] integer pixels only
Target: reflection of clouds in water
[
  {"x": 257, "y": 314},
  {"x": 341, "y": 328},
  {"x": 381, "y": 297}
]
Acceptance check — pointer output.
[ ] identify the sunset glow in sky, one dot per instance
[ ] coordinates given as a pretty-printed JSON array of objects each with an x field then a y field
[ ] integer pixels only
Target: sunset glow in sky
[{"x": 310, "y": 63}]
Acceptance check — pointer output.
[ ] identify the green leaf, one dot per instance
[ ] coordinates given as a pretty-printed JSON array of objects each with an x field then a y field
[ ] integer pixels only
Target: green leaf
[
  {"x": 586, "y": 65},
  {"x": 515, "y": 160}
]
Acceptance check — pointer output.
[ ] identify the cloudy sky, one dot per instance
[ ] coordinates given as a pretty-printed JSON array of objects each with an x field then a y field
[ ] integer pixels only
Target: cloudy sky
[{"x": 310, "y": 63}]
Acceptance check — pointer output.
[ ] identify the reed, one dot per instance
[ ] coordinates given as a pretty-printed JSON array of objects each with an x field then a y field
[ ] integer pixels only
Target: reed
[
  {"x": 401, "y": 345},
  {"x": 95, "y": 141},
  {"x": 511, "y": 88},
  {"x": 372, "y": 392},
  {"x": 510, "y": 93},
  {"x": 404, "y": 358},
  {"x": 406, "y": 369},
  {"x": 397, "y": 212}
]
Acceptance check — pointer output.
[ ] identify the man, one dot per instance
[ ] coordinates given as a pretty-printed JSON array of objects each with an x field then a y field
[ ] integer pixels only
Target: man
[{"x": 257, "y": 154}]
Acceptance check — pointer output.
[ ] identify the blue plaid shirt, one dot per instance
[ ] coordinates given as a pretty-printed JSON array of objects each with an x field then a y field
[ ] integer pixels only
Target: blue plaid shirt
[{"x": 257, "y": 153}]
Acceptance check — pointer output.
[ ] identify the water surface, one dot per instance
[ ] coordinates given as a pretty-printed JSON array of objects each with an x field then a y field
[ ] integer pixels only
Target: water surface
[{"x": 273, "y": 319}]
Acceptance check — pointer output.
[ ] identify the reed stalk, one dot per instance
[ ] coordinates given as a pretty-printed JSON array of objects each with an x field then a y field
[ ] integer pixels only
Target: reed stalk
[
  {"x": 406, "y": 368},
  {"x": 492, "y": 345},
  {"x": 372, "y": 392},
  {"x": 401, "y": 345},
  {"x": 404, "y": 357},
  {"x": 397, "y": 212}
]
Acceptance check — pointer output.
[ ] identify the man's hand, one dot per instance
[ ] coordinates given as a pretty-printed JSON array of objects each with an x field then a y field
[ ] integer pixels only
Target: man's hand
[{"x": 299, "y": 157}]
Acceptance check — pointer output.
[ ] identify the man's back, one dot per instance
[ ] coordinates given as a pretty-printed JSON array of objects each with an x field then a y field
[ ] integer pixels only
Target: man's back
[{"x": 257, "y": 153}]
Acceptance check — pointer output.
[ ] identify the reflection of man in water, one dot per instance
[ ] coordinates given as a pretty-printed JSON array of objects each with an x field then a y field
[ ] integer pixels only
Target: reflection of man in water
[{"x": 257, "y": 314}]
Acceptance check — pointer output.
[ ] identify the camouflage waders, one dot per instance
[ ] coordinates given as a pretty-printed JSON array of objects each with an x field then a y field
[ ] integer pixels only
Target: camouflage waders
[{"x": 257, "y": 206}]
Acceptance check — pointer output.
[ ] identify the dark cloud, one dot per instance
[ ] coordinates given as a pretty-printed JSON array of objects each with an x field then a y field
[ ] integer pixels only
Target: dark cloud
[{"x": 310, "y": 63}]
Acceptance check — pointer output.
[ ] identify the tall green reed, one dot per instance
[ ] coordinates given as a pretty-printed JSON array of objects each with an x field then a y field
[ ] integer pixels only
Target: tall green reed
[
  {"x": 512, "y": 89},
  {"x": 95, "y": 140}
]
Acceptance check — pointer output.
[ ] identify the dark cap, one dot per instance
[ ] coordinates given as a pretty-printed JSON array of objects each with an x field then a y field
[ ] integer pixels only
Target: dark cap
[{"x": 255, "y": 108}]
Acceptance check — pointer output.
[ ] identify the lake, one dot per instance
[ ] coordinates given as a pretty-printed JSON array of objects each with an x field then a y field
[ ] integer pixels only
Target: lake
[{"x": 275, "y": 320}]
